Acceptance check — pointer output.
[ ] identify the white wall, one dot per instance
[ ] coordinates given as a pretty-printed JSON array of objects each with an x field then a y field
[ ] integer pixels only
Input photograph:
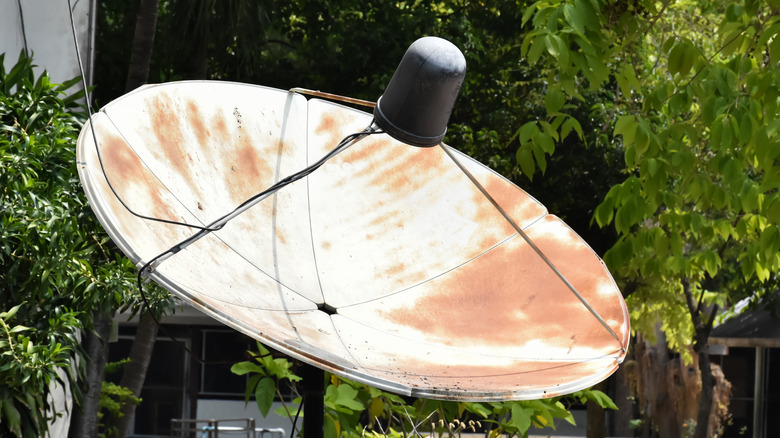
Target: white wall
[
  {"x": 226, "y": 409},
  {"x": 49, "y": 35}
]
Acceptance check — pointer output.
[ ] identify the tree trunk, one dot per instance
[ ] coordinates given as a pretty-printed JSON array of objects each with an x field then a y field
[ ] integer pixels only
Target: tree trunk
[
  {"x": 705, "y": 402},
  {"x": 624, "y": 390},
  {"x": 84, "y": 423},
  {"x": 134, "y": 372},
  {"x": 701, "y": 348},
  {"x": 198, "y": 65},
  {"x": 143, "y": 42},
  {"x": 666, "y": 388}
]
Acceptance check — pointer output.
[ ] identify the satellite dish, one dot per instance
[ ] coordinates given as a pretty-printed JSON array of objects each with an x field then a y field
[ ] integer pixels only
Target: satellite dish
[{"x": 387, "y": 265}]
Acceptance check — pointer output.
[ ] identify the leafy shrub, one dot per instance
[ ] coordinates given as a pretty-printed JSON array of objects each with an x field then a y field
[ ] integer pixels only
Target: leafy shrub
[
  {"x": 356, "y": 410},
  {"x": 54, "y": 257}
]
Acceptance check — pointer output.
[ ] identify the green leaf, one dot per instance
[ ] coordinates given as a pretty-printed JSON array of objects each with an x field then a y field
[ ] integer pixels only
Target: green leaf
[
  {"x": 630, "y": 155},
  {"x": 529, "y": 11},
  {"x": 623, "y": 85},
  {"x": 773, "y": 210},
  {"x": 521, "y": 418},
  {"x": 603, "y": 213},
  {"x": 568, "y": 125},
  {"x": 554, "y": 99},
  {"x": 541, "y": 160},
  {"x": 12, "y": 417},
  {"x": 770, "y": 241},
  {"x": 652, "y": 166},
  {"x": 245, "y": 367},
  {"x": 376, "y": 407},
  {"x": 575, "y": 18},
  {"x": 762, "y": 273},
  {"x": 626, "y": 126},
  {"x": 630, "y": 74},
  {"x": 774, "y": 49},
  {"x": 586, "y": 10},
  {"x": 624, "y": 218},
  {"x": 675, "y": 60},
  {"x": 525, "y": 159},
  {"x": 558, "y": 48},
  {"x": 10, "y": 313},
  {"x": 689, "y": 59},
  {"x": 477, "y": 408},
  {"x": 331, "y": 427},
  {"x": 347, "y": 397},
  {"x": 545, "y": 142},
  {"x": 250, "y": 387},
  {"x": 601, "y": 399},
  {"x": 536, "y": 48},
  {"x": 528, "y": 131},
  {"x": 264, "y": 395}
]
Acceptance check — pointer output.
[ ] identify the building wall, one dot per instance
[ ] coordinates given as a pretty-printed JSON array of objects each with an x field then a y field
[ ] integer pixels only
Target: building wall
[
  {"x": 238, "y": 409},
  {"x": 43, "y": 27}
]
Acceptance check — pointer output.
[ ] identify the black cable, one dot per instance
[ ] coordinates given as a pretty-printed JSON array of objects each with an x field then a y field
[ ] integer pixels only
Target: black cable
[
  {"x": 24, "y": 32},
  {"x": 295, "y": 419}
]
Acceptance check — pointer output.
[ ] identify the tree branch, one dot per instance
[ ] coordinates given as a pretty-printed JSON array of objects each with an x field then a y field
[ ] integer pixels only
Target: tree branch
[{"x": 689, "y": 301}]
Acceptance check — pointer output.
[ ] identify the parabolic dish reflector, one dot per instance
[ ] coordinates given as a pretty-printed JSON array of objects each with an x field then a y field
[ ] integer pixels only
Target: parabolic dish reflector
[{"x": 386, "y": 265}]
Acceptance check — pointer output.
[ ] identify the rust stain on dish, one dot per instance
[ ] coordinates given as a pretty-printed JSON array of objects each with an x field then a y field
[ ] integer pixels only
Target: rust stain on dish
[
  {"x": 167, "y": 129},
  {"x": 280, "y": 235},
  {"x": 509, "y": 296},
  {"x": 331, "y": 125},
  {"x": 410, "y": 174},
  {"x": 220, "y": 128},
  {"x": 127, "y": 173},
  {"x": 327, "y": 124},
  {"x": 507, "y": 196},
  {"x": 196, "y": 121},
  {"x": 250, "y": 174},
  {"x": 372, "y": 151},
  {"x": 395, "y": 270}
]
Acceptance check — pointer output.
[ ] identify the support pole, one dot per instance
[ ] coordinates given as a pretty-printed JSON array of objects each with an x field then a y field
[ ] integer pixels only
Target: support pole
[
  {"x": 758, "y": 395},
  {"x": 313, "y": 400}
]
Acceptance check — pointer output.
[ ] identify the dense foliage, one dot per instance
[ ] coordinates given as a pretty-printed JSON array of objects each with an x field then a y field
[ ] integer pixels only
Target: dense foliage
[
  {"x": 694, "y": 110},
  {"x": 56, "y": 266}
]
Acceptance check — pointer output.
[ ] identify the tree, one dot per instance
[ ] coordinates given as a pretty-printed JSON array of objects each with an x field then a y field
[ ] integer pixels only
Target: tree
[
  {"x": 57, "y": 266},
  {"x": 143, "y": 42},
  {"x": 694, "y": 112}
]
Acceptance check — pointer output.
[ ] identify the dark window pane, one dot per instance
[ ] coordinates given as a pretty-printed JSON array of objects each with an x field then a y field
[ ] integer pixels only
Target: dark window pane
[{"x": 222, "y": 349}]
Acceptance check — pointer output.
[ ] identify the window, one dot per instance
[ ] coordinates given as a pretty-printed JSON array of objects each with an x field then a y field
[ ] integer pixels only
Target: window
[
  {"x": 221, "y": 349},
  {"x": 163, "y": 393}
]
